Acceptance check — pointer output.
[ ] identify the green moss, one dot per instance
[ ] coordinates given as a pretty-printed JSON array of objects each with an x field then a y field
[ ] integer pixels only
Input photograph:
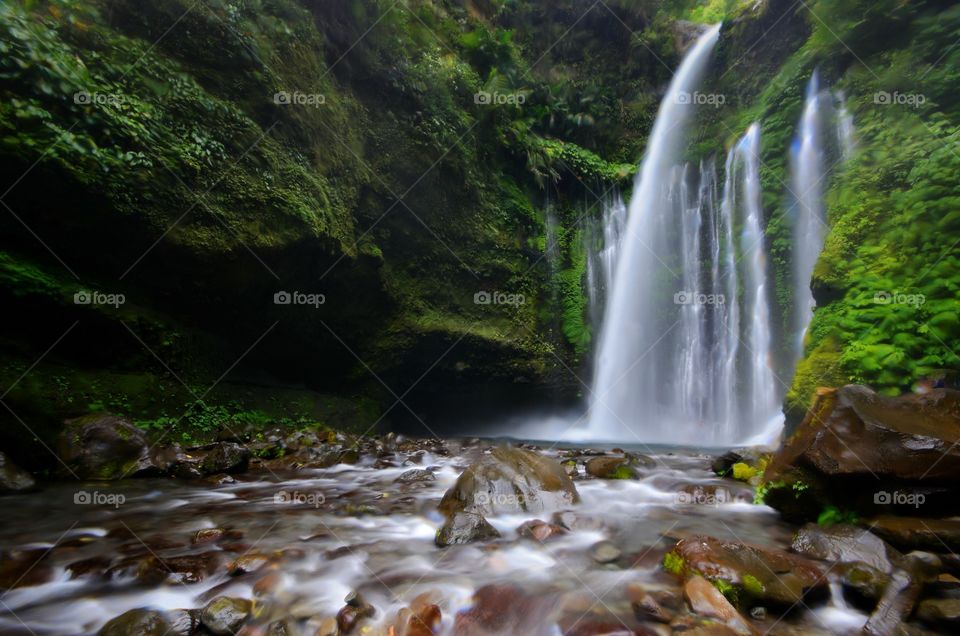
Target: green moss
[
  {"x": 673, "y": 563},
  {"x": 752, "y": 585},
  {"x": 743, "y": 472}
]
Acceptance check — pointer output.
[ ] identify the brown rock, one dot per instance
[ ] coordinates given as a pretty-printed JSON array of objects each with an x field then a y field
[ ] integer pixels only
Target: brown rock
[
  {"x": 539, "y": 530},
  {"x": 773, "y": 576},
  {"x": 853, "y": 431},
  {"x": 911, "y": 533},
  {"x": 610, "y": 468},
  {"x": 706, "y": 600},
  {"x": 510, "y": 480}
]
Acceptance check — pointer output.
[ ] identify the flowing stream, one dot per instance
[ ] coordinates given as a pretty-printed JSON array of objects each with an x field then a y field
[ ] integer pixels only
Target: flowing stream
[{"x": 327, "y": 532}]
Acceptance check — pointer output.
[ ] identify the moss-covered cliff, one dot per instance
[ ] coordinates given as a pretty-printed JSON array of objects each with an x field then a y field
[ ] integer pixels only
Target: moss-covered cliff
[{"x": 199, "y": 158}]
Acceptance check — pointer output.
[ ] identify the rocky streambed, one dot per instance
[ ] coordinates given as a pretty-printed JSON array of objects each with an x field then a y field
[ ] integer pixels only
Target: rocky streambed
[{"x": 336, "y": 535}]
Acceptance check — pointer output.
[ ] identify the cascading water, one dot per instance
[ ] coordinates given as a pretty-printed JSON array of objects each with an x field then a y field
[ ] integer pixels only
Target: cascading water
[
  {"x": 631, "y": 329},
  {"x": 685, "y": 350},
  {"x": 812, "y": 150},
  {"x": 603, "y": 244},
  {"x": 761, "y": 398},
  {"x": 809, "y": 225}
]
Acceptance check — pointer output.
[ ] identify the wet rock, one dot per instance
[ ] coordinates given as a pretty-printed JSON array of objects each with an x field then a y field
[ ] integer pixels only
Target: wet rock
[
  {"x": 940, "y": 612},
  {"x": 507, "y": 610},
  {"x": 894, "y": 605},
  {"x": 225, "y": 615},
  {"x": 646, "y": 607},
  {"x": 422, "y": 618},
  {"x": 911, "y": 437},
  {"x": 220, "y": 479},
  {"x": 225, "y": 457},
  {"x": 415, "y": 475},
  {"x": 510, "y": 480},
  {"x": 846, "y": 544},
  {"x": 106, "y": 447},
  {"x": 247, "y": 563},
  {"x": 706, "y": 600},
  {"x": 772, "y": 576},
  {"x": 723, "y": 465},
  {"x": 94, "y": 565},
  {"x": 539, "y": 530},
  {"x": 212, "y": 535},
  {"x": 136, "y": 622},
  {"x": 577, "y": 521},
  {"x": 465, "y": 527},
  {"x": 183, "y": 622},
  {"x": 863, "y": 582},
  {"x": 190, "y": 568},
  {"x": 355, "y": 610},
  {"x": 23, "y": 568},
  {"x": 12, "y": 477},
  {"x": 611, "y": 468},
  {"x": 914, "y": 533},
  {"x": 604, "y": 552}
]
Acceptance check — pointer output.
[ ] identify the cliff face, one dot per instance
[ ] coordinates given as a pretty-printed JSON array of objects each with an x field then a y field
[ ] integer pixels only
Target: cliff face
[{"x": 199, "y": 160}]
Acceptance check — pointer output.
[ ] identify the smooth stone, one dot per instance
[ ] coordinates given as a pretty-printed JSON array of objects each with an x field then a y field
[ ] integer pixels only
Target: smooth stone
[
  {"x": 465, "y": 527},
  {"x": 225, "y": 615},
  {"x": 136, "y": 622},
  {"x": 605, "y": 552}
]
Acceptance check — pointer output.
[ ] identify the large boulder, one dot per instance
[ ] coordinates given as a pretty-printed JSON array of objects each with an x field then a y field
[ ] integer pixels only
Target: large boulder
[
  {"x": 860, "y": 451},
  {"x": 750, "y": 572},
  {"x": 102, "y": 446},
  {"x": 12, "y": 477},
  {"x": 510, "y": 480},
  {"x": 853, "y": 431}
]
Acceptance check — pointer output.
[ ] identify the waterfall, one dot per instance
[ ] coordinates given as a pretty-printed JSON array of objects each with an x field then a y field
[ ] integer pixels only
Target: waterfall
[
  {"x": 761, "y": 398},
  {"x": 809, "y": 223},
  {"x": 603, "y": 243},
  {"x": 650, "y": 315},
  {"x": 844, "y": 127},
  {"x": 808, "y": 175}
]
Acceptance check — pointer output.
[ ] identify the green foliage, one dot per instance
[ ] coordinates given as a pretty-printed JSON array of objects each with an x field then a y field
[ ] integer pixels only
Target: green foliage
[
  {"x": 743, "y": 472},
  {"x": 673, "y": 563},
  {"x": 832, "y": 515}
]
